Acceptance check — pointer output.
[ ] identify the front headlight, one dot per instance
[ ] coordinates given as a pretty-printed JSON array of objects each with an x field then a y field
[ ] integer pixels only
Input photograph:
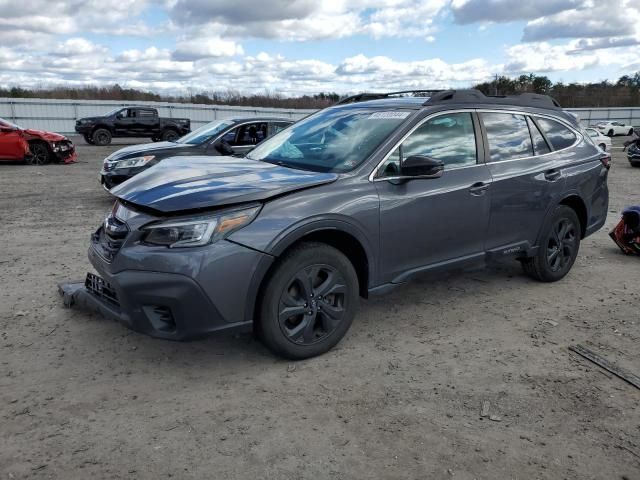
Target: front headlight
[
  {"x": 134, "y": 162},
  {"x": 198, "y": 231}
]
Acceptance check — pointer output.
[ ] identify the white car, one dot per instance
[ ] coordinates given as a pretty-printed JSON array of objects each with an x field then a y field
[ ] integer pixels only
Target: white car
[
  {"x": 614, "y": 128},
  {"x": 599, "y": 139}
]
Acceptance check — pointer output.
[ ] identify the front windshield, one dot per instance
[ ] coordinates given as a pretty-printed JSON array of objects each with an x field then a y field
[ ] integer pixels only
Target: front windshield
[
  {"x": 114, "y": 111},
  {"x": 333, "y": 140},
  {"x": 9, "y": 124},
  {"x": 205, "y": 132}
]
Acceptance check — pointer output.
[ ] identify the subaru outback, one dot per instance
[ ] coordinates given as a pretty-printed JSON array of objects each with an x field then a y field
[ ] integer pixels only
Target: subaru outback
[{"x": 352, "y": 201}]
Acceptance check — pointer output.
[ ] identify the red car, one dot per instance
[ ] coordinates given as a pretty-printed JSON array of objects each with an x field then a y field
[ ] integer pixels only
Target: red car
[{"x": 34, "y": 146}]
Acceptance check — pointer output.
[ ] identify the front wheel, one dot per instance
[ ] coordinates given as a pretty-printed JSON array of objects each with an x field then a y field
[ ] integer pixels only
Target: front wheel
[
  {"x": 170, "y": 136},
  {"x": 610, "y": 133},
  {"x": 309, "y": 301},
  {"x": 630, "y": 132},
  {"x": 102, "y": 137},
  {"x": 40, "y": 154},
  {"x": 603, "y": 147},
  {"x": 558, "y": 248}
]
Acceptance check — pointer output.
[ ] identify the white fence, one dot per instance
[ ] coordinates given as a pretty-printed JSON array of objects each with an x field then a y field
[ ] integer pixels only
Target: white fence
[{"x": 60, "y": 115}]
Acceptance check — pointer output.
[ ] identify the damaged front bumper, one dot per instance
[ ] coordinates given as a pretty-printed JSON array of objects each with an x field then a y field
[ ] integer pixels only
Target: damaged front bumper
[{"x": 161, "y": 305}]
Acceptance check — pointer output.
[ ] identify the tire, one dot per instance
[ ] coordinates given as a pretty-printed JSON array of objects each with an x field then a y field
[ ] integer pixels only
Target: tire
[
  {"x": 101, "y": 137},
  {"x": 630, "y": 132},
  {"x": 610, "y": 133},
  {"x": 308, "y": 302},
  {"x": 603, "y": 147},
  {"x": 170, "y": 135},
  {"x": 40, "y": 154},
  {"x": 551, "y": 263},
  {"x": 88, "y": 139}
]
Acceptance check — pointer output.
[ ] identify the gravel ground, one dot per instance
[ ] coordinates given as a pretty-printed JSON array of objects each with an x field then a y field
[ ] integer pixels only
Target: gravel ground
[{"x": 400, "y": 397}]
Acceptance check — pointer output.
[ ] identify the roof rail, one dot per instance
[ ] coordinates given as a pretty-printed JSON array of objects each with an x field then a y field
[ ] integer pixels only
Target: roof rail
[
  {"x": 363, "y": 97},
  {"x": 476, "y": 96}
]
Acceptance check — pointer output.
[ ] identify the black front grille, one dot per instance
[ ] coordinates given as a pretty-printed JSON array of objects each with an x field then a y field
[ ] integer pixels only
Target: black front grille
[
  {"x": 101, "y": 288},
  {"x": 109, "y": 238}
]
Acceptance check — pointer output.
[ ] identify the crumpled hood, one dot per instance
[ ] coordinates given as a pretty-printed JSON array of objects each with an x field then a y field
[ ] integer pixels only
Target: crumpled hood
[
  {"x": 146, "y": 149},
  {"x": 48, "y": 136},
  {"x": 189, "y": 183}
]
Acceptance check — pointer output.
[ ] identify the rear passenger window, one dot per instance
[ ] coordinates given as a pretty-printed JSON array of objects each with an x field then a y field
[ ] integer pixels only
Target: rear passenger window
[
  {"x": 540, "y": 146},
  {"x": 559, "y": 135},
  {"x": 508, "y": 136}
]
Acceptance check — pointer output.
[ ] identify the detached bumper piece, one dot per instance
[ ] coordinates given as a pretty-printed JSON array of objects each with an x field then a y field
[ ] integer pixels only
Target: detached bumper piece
[{"x": 162, "y": 305}]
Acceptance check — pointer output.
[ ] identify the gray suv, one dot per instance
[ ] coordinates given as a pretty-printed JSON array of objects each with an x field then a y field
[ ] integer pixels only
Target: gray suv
[{"x": 352, "y": 201}]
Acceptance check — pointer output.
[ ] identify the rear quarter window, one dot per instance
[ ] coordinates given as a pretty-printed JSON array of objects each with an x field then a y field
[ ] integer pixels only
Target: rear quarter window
[{"x": 558, "y": 135}]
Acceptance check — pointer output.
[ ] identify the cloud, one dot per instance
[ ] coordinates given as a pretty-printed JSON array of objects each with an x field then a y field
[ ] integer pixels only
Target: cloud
[
  {"x": 187, "y": 12},
  {"x": 196, "y": 49},
  {"x": 604, "y": 19},
  {"x": 500, "y": 11}
]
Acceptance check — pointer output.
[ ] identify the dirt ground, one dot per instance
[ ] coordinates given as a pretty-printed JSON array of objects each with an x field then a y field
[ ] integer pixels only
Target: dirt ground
[{"x": 400, "y": 397}]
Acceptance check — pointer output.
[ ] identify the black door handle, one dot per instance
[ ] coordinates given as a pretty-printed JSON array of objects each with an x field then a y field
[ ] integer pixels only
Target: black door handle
[
  {"x": 479, "y": 188},
  {"x": 552, "y": 175}
]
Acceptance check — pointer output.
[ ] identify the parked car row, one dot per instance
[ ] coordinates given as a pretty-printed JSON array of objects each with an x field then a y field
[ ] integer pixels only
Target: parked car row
[{"x": 352, "y": 201}]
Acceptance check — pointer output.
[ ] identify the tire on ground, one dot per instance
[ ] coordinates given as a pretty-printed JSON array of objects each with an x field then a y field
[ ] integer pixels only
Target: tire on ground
[
  {"x": 538, "y": 266},
  {"x": 40, "y": 154},
  {"x": 101, "y": 137},
  {"x": 170, "y": 135},
  {"x": 307, "y": 254}
]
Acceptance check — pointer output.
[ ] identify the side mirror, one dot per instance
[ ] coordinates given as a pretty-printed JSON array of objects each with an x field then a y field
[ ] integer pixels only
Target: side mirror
[{"x": 422, "y": 166}]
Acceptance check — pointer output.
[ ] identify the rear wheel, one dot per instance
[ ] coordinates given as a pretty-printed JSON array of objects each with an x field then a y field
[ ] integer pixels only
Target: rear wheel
[
  {"x": 309, "y": 301},
  {"x": 40, "y": 154},
  {"x": 610, "y": 133},
  {"x": 170, "y": 136},
  {"x": 630, "y": 132},
  {"x": 102, "y": 137},
  {"x": 558, "y": 248}
]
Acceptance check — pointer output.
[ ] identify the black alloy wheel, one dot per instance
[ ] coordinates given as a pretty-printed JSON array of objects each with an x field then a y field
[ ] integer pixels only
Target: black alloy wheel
[
  {"x": 558, "y": 246},
  {"x": 170, "y": 136},
  {"x": 561, "y": 244},
  {"x": 39, "y": 154},
  {"x": 312, "y": 304},
  {"x": 308, "y": 301},
  {"x": 102, "y": 137}
]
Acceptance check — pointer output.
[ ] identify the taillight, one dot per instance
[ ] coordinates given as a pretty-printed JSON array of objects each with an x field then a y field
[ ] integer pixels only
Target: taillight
[{"x": 605, "y": 158}]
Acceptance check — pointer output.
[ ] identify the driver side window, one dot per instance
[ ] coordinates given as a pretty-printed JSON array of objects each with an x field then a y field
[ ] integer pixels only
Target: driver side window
[{"x": 449, "y": 138}]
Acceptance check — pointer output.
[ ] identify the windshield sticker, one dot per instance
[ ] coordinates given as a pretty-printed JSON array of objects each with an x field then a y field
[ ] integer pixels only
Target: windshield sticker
[{"x": 388, "y": 115}]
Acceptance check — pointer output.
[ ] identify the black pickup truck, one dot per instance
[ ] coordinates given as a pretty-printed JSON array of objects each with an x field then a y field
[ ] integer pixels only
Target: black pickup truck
[{"x": 131, "y": 122}]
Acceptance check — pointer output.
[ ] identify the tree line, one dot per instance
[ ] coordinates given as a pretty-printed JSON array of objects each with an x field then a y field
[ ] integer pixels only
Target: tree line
[{"x": 625, "y": 92}]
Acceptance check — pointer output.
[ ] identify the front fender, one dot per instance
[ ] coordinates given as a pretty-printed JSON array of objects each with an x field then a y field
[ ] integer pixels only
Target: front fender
[{"x": 293, "y": 234}]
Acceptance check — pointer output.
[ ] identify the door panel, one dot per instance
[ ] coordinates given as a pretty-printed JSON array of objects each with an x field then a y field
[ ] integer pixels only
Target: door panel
[
  {"x": 524, "y": 185},
  {"x": 427, "y": 221},
  {"x": 12, "y": 146}
]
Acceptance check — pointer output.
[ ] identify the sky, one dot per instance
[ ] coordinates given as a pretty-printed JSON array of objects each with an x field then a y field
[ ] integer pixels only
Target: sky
[{"x": 299, "y": 47}]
